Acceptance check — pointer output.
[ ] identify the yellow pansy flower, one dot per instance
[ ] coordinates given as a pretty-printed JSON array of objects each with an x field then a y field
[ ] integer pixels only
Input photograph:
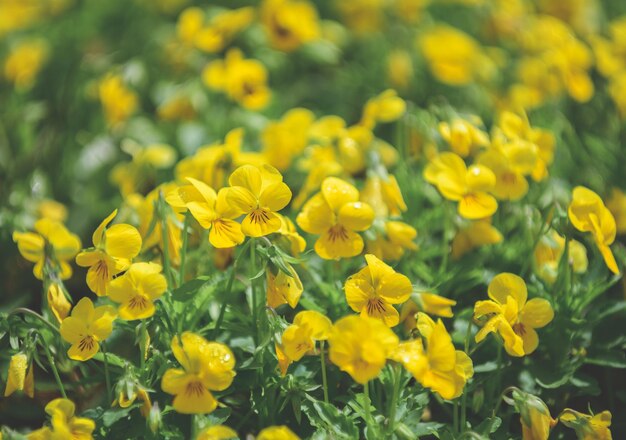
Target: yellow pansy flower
[
  {"x": 510, "y": 183},
  {"x": 509, "y": 314},
  {"x": 400, "y": 68},
  {"x": 386, "y": 107},
  {"x": 211, "y": 210},
  {"x": 548, "y": 254},
  {"x": 139, "y": 174},
  {"x": 478, "y": 233},
  {"x": 535, "y": 416},
  {"x": 51, "y": 209},
  {"x": 336, "y": 214},
  {"x": 283, "y": 360},
  {"x": 118, "y": 101},
  {"x": 429, "y": 303},
  {"x": 64, "y": 423},
  {"x": 50, "y": 235},
  {"x": 372, "y": 291},
  {"x": 297, "y": 243},
  {"x": 283, "y": 288},
  {"x": 299, "y": 338},
  {"x": 617, "y": 205},
  {"x": 588, "y": 427},
  {"x": 20, "y": 376},
  {"x": 360, "y": 346},
  {"x": 24, "y": 62},
  {"x": 277, "y": 433},
  {"x": 463, "y": 137},
  {"x": 86, "y": 327},
  {"x": 284, "y": 139},
  {"x": 115, "y": 247},
  {"x": 393, "y": 241},
  {"x": 57, "y": 302},
  {"x": 137, "y": 289},
  {"x": 211, "y": 37},
  {"x": 469, "y": 186},
  {"x": 258, "y": 192},
  {"x": 289, "y": 23},
  {"x": 362, "y": 16},
  {"x": 217, "y": 432},
  {"x": 129, "y": 393},
  {"x": 588, "y": 214},
  {"x": 207, "y": 366}
]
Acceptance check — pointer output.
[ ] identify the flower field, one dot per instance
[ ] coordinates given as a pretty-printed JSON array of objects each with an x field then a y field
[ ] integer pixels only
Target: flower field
[{"x": 299, "y": 219}]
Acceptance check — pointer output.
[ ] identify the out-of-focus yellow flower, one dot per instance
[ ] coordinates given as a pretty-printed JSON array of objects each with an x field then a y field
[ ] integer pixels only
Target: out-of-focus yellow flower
[
  {"x": 469, "y": 186},
  {"x": 588, "y": 214},
  {"x": 20, "y": 376},
  {"x": 137, "y": 289},
  {"x": 289, "y": 23},
  {"x": 243, "y": 80},
  {"x": 57, "y": 302},
  {"x": 336, "y": 214},
  {"x": 400, "y": 69},
  {"x": 284, "y": 139},
  {"x": 478, "y": 233},
  {"x": 86, "y": 327},
  {"x": 534, "y": 416},
  {"x": 207, "y": 366},
  {"x": 178, "y": 108},
  {"x": 217, "y": 432},
  {"x": 297, "y": 243},
  {"x": 391, "y": 243},
  {"x": 212, "y": 36},
  {"x": 463, "y": 137},
  {"x": 386, "y": 107},
  {"x": 429, "y": 303},
  {"x": 454, "y": 57},
  {"x": 24, "y": 62},
  {"x": 65, "y": 425},
  {"x": 119, "y": 102},
  {"x": 51, "y": 209},
  {"x": 549, "y": 251},
  {"x": 509, "y": 314},
  {"x": 374, "y": 289},
  {"x": 362, "y": 16},
  {"x": 129, "y": 392},
  {"x": 114, "y": 249},
  {"x": 588, "y": 427},
  {"x": 51, "y": 246},
  {"x": 410, "y": 11},
  {"x": 277, "y": 433},
  {"x": 360, "y": 346},
  {"x": 383, "y": 195},
  {"x": 139, "y": 174},
  {"x": 258, "y": 193},
  {"x": 299, "y": 338},
  {"x": 283, "y": 288},
  {"x": 617, "y": 205}
]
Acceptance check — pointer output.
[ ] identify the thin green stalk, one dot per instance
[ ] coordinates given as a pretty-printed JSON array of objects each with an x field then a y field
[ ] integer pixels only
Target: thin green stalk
[
  {"x": 34, "y": 314},
  {"x": 397, "y": 378},
  {"x": 445, "y": 248},
  {"x": 498, "y": 371},
  {"x": 255, "y": 318},
  {"x": 324, "y": 378},
  {"x": 183, "y": 250},
  {"x": 366, "y": 391},
  {"x": 455, "y": 415},
  {"x": 52, "y": 364},
  {"x": 166, "y": 246},
  {"x": 142, "y": 344},
  {"x": 107, "y": 376},
  {"x": 229, "y": 287}
]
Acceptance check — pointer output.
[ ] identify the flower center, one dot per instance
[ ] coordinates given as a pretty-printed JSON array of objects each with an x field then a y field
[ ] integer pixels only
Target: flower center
[
  {"x": 259, "y": 216},
  {"x": 519, "y": 329},
  {"x": 375, "y": 306},
  {"x": 138, "y": 302},
  {"x": 194, "y": 389},
  {"x": 86, "y": 344},
  {"x": 337, "y": 232}
]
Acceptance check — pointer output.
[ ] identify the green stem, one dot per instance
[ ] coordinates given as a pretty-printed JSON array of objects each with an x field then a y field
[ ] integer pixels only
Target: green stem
[
  {"x": 107, "y": 376},
  {"x": 324, "y": 378},
  {"x": 397, "y": 378},
  {"x": 166, "y": 245},
  {"x": 445, "y": 249},
  {"x": 455, "y": 415},
  {"x": 183, "y": 251},
  {"x": 229, "y": 287},
  {"x": 498, "y": 385},
  {"x": 34, "y": 314},
  {"x": 142, "y": 344},
  {"x": 255, "y": 318},
  {"x": 368, "y": 402},
  {"x": 55, "y": 372}
]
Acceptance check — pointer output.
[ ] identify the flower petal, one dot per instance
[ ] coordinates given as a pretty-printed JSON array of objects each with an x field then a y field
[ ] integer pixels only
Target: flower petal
[
  {"x": 338, "y": 192},
  {"x": 508, "y": 284},
  {"x": 122, "y": 241},
  {"x": 536, "y": 313},
  {"x": 356, "y": 216}
]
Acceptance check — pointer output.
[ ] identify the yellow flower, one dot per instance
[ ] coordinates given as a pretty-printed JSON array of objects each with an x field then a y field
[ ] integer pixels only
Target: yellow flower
[
  {"x": 478, "y": 233},
  {"x": 374, "y": 289},
  {"x": 207, "y": 366},
  {"x": 289, "y": 23},
  {"x": 511, "y": 315},
  {"x": 400, "y": 69},
  {"x": 384, "y": 195},
  {"x": 463, "y": 137},
  {"x": 139, "y": 174},
  {"x": 617, "y": 205},
  {"x": 211, "y": 210},
  {"x": 429, "y": 303},
  {"x": 217, "y": 432},
  {"x": 297, "y": 243},
  {"x": 118, "y": 101},
  {"x": 243, "y": 80},
  {"x": 129, "y": 393},
  {"x": 299, "y": 338},
  {"x": 549, "y": 251},
  {"x": 86, "y": 327},
  {"x": 284, "y": 139},
  {"x": 588, "y": 427},
  {"x": 277, "y": 433},
  {"x": 395, "y": 239},
  {"x": 336, "y": 214},
  {"x": 214, "y": 35},
  {"x": 115, "y": 247},
  {"x": 588, "y": 214},
  {"x": 137, "y": 289},
  {"x": 58, "y": 303},
  {"x": 360, "y": 346},
  {"x": 283, "y": 288},
  {"x": 386, "y": 107},
  {"x": 20, "y": 376},
  {"x": 258, "y": 192},
  {"x": 51, "y": 209},
  {"x": 65, "y": 425},
  {"x": 24, "y": 63},
  {"x": 283, "y": 360},
  {"x": 534, "y": 416},
  {"x": 510, "y": 183},
  {"x": 362, "y": 16},
  {"x": 51, "y": 236},
  {"x": 469, "y": 186}
]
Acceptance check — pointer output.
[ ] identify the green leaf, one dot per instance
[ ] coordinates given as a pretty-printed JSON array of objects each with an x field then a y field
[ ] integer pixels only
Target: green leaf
[
  {"x": 612, "y": 359},
  {"x": 184, "y": 292},
  {"x": 328, "y": 418}
]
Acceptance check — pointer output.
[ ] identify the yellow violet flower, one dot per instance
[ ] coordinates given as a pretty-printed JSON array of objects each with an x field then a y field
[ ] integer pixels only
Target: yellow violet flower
[
  {"x": 463, "y": 137},
  {"x": 429, "y": 303},
  {"x": 548, "y": 254},
  {"x": 372, "y": 291},
  {"x": 211, "y": 210},
  {"x": 510, "y": 182},
  {"x": 115, "y": 247},
  {"x": 478, "y": 233},
  {"x": 283, "y": 140},
  {"x": 63, "y": 244},
  {"x": 386, "y": 107},
  {"x": 277, "y": 433},
  {"x": 289, "y": 23},
  {"x": 400, "y": 68},
  {"x": 283, "y": 288},
  {"x": 336, "y": 214},
  {"x": 299, "y": 338},
  {"x": 130, "y": 393},
  {"x": 393, "y": 241},
  {"x": 468, "y": 186},
  {"x": 217, "y": 432},
  {"x": 297, "y": 243},
  {"x": 64, "y": 423},
  {"x": 360, "y": 346},
  {"x": 588, "y": 427},
  {"x": 588, "y": 214},
  {"x": 137, "y": 289},
  {"x": 509, "y": 314},
  {"x": 51, "y": 209},
  {"x": 258, "y": 192},
  {"x": 118, "y": 101},
  {"x": 58, "y": 303},
  {"x": 207, "y": 366},
  {"x": 617, "y": 205},
  {"x": 24, "y": 62},
  {"x": 86, "y": 327},
  {"x": 20, "y": 376},
  {"x": 534, "y": 415}
]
